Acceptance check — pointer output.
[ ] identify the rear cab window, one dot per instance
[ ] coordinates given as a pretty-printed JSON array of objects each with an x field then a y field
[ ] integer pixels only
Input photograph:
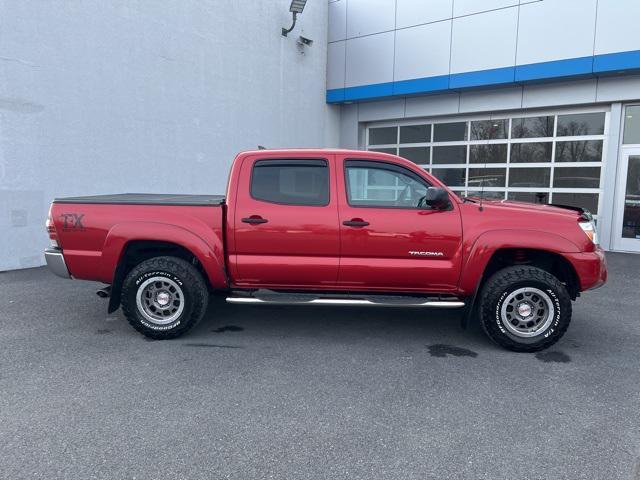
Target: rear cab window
[{"x": 303, "y": 182}]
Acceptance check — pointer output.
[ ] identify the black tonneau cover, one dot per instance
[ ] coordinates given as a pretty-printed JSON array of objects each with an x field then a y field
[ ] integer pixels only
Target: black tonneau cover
[{"x": 146, "y": 199}]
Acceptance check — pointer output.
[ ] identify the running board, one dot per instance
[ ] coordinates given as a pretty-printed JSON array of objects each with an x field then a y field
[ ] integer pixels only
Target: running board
[{"x": 274, "y": 298}]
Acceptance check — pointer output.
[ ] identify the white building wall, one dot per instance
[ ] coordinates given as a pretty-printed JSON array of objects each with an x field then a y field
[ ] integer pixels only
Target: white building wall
[
  {"x": 617, "y": 26},
  {"x": 432, "y": 62},
  {"x": 557, "y": 29},
  {"x": 483, "y": 41},
  {"x": 361, "y": 67},
  {"x": 398, "y": 40},
  {"x": 146, "y": 96}
]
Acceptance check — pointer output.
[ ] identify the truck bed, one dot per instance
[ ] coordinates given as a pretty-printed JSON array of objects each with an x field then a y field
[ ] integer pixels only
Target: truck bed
[
  {"x": 93, "y": 231},
  {"x": 146, "y": 199}
]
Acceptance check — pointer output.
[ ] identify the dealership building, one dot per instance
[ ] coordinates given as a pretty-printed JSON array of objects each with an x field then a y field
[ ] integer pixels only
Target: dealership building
[
  {"x": 536, "y": 101},
  {"x": 524, "y": 100}
]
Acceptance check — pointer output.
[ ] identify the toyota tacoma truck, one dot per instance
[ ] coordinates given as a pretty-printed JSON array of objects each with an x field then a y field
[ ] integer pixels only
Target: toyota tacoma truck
[{"x": 331, "y": 227}]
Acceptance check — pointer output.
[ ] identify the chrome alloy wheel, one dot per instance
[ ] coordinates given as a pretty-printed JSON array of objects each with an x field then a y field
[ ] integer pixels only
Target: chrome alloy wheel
[
  {"x": 160, "y": 300},
  {"x": 527, "y": 312}
]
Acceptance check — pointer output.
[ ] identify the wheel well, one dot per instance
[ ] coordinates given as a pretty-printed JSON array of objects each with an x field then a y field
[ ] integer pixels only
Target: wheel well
[
  {"x": 553, "y": 263},
  {"x": 138, "y": 251}
]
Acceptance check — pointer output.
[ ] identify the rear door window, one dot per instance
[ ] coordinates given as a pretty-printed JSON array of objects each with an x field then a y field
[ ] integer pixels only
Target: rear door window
[{"x": 291, "y": 182}]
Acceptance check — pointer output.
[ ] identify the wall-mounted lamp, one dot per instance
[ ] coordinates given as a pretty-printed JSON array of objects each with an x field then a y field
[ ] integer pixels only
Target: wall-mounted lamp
[{"x": 297, "y": 6}]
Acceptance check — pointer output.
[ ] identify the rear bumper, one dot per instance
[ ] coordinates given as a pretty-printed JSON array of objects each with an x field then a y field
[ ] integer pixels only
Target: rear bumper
[
  {"x": 55, "y": 262},
  {"x": 591, "y": 268}
]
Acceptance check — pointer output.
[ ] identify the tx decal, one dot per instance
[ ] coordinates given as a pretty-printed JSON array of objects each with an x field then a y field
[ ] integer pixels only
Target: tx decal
[{"x": 72, "y": 221}]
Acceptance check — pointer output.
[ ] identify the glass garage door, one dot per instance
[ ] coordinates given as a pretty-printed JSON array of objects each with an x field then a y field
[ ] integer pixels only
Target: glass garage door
[{"x": 539, "y": 158}]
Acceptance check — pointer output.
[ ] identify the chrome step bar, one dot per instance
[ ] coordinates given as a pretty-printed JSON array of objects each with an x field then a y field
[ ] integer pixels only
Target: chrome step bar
[{"x": 359, "y": 302}]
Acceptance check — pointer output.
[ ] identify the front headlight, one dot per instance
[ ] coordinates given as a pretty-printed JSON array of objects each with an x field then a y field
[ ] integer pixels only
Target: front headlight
[{"x": 589, "y": 228}]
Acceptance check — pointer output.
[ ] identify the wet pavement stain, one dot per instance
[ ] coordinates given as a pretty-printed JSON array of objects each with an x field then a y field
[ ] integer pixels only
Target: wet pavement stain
[
  {"x": 210, "y": 345},
  {"x": 440, "y": 350},
  {"x": 228, "y": 328},
  {"x": 553, "y": 357}
]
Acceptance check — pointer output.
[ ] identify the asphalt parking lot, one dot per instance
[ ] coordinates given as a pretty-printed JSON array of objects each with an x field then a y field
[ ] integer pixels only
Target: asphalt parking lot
[{"x": 323, "y": 392}]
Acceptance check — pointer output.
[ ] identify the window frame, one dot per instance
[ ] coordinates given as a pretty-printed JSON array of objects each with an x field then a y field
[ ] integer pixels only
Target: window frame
[
  {"x": 307, "y": 162},
  {"x": 381, "y": 165}
]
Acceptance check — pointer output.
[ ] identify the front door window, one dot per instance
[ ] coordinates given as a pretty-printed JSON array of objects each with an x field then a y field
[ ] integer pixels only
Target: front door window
[{"x": 369, "y": 186}]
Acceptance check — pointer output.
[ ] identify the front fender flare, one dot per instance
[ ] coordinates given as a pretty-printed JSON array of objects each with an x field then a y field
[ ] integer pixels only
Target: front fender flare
[{"x": 485, "y": 245}]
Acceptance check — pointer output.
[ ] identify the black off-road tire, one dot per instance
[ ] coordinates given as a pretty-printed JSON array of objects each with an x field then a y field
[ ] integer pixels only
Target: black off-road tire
[
  {"x": 195, "y": 296},
  {"x": 497, "y": 290}
]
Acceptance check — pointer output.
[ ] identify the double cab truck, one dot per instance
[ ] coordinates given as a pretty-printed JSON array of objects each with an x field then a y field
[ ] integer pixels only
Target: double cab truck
[{"x": 331, "y": 227}]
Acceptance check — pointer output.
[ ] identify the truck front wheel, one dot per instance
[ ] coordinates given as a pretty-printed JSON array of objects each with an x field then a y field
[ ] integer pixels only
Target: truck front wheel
[
  {"x": 163, "y": 297},
  {"x": 524, "y": 309}
]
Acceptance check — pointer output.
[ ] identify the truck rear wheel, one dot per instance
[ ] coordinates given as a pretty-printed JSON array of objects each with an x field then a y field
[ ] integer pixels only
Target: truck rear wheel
[
  {"x": 524, "y": 309},
  {"x": 163, "y": 297}
]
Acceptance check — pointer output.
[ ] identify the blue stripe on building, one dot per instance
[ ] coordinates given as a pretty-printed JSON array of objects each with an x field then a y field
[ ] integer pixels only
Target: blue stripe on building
[{"x": 593, "y": 66}]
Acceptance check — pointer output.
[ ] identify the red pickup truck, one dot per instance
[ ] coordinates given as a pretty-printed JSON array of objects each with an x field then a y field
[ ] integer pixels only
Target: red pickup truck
[{"x": 331, "y": 227}]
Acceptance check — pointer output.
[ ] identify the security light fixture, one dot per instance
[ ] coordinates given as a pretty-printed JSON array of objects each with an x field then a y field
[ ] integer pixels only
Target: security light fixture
[{"x": 297, "y": 6}]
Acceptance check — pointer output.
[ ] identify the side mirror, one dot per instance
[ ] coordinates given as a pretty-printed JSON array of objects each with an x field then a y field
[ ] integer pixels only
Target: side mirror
[{"x": 437, "y": 198}]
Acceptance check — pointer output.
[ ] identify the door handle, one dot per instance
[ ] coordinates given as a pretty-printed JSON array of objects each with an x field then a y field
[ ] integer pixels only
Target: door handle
[
  {"x": 355, "y": 222},
  {"x": 254, "y": 219}
]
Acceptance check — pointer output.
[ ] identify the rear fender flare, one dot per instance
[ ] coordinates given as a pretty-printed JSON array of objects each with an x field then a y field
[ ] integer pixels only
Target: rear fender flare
[{"x": 201, "y": 242}]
